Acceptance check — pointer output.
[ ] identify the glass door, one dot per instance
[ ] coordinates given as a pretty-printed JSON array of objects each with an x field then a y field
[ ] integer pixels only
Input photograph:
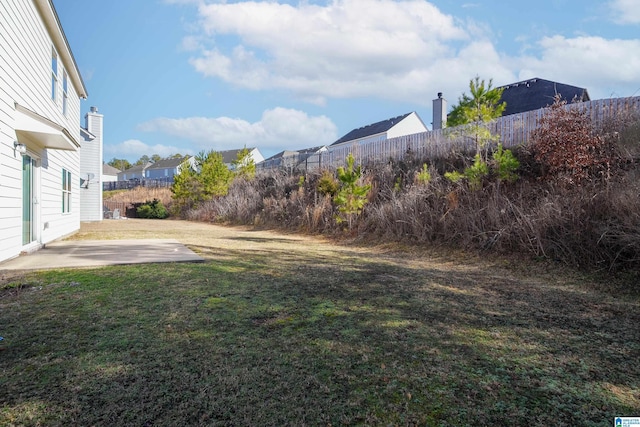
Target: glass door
[{"x": 28, "y": 196}]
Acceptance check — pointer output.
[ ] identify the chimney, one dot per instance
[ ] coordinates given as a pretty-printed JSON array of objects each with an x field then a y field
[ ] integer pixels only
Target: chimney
[{"x": 439, "y": 112}]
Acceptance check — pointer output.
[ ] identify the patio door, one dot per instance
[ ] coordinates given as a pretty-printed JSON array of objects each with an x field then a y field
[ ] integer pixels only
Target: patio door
[{"x": 29, "y": 200}]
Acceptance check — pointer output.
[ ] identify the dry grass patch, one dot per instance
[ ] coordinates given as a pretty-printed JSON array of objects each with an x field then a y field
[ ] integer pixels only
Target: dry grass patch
[
  {"x": 141, "y": 195},
  {"x": 291, "y": 330}
]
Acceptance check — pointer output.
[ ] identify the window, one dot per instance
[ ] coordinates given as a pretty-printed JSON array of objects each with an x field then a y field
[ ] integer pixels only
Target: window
[
  {"x": 54, "y": 73},
  {"x": 66, "y": 191},
  {"x": 64, "y": 92}
]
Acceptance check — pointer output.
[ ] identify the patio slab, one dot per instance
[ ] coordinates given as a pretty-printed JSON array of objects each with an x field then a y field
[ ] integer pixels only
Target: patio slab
[{"x": 96, "y": 253}]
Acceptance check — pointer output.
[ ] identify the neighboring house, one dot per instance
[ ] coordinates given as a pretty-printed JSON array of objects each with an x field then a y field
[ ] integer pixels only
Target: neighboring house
[
  {"x": 134, "y": 172},
  {"x": 109, "y": 173},
  {"x": 166, "y": 169},
  {"x": 288, "y": 159},
  {"x": 91, "y": 167},
  {"x": 39, "y": 128},
  {"x": 406, "y": 124},
  {"x": 533, "y": 94},
  {"x": 229, "y": 156}
]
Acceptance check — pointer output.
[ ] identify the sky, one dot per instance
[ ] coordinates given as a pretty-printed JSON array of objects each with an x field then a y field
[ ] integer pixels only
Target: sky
[{"x": 185, "y": 76}]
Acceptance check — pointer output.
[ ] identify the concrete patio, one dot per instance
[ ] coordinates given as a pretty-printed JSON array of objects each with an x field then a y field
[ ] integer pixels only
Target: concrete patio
[{"x": 96, "y": 253}]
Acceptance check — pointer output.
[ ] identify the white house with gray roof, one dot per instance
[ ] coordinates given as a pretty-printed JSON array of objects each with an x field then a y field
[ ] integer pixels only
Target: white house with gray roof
[
  {"x": 407, "y": 124},
  {"x": 166, "y": 169}
]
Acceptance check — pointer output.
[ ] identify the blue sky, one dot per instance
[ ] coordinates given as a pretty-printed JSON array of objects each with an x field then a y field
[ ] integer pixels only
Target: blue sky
[{"x": 181, "y": 76}]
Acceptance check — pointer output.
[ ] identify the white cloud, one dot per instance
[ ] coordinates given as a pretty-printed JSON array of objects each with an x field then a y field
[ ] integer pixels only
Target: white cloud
[
  {"x": 134, "y": 148},
  {"x": 280, "y": 128},
  {"x": 394, "y": 50},
  {"x": 346, "y": 48},
  {"x": 626, "y": 11},
  {"x": 603, "y": 66}
]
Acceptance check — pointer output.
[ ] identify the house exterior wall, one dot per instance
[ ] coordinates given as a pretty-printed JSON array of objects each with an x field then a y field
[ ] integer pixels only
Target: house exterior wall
[
  {"x": 109, "y": 178},
  {"x": 360, "y": 141},
  {"x": 410, "y": 125},
  {"x": 257, "y": 156},
  {"x": 91, "y": 163},
  {"x": 136, "y": 172},
  {"x": 161, "y": 174},
  {"x": 28, "y": 39}
]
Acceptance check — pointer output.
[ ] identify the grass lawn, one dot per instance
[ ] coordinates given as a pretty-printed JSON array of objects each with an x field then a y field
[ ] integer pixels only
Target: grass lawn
[{"x": 276, "y": 330}]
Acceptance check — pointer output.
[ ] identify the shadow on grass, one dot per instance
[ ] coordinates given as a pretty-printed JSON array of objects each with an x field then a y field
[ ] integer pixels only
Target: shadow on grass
[{"x": 274, "y": 336}]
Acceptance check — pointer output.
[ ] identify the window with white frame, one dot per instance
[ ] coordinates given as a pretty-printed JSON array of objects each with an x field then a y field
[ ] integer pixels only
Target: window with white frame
[
  {"x": 66, "y": 191},
  {"x": 64, "y": 92},
  {"x": 54, "y": 73}
]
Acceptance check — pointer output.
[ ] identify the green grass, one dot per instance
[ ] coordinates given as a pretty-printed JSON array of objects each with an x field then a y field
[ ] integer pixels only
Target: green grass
[{"x": 274, "y": 338}]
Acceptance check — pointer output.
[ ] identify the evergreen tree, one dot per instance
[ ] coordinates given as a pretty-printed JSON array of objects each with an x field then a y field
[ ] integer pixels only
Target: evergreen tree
[
  {"x": 192, "y": 187},
  {"x": 351, "y": 197},
  {"x": 477, "y": 111},
  {"x": 214, "y": 175},
  {"x": 473, "y": 113},
  {"x": 243, "y": 165}
]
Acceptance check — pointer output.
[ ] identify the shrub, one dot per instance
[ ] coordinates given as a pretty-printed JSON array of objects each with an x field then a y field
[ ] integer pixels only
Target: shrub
[
  {"x": 567, "y": 146},
  {"x": 505, "y": 164},
  {"x": 476, "y": 172},
  {"x": 328, "y": 185},
  {"x": 152, "y": 210},
  {"x": 423, "y": 177}
]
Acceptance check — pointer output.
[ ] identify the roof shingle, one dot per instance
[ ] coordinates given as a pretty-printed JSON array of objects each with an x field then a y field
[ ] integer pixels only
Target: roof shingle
[
  {"x": 533, "y": 94},
  {"x": 372, "y": 129}
]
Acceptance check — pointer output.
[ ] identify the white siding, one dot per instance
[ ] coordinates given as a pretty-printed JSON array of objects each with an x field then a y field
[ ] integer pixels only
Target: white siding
[
  {"x": 408, "y": 126},
  {"x": 257, "y": 156},
  {"x": 25, "y": 78},
  {"x": 91, "y": 163}
]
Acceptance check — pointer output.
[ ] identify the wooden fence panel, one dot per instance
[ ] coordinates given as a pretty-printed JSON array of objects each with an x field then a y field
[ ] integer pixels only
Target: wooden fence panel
[{"x": 514, "y": 130}]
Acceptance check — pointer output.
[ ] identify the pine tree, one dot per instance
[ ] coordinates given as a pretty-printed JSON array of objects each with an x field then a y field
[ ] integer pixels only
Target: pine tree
[{"x": 351, "y": 197}]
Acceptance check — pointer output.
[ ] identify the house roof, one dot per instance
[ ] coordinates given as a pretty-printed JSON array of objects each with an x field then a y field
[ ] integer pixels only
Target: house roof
[
  {"x": 136, "y": 168},
  {"x": 280, "y": 155},
  {"x": 311, "y": 150},
  {"x": 230, "y": 156},
  {"x": 303, "y": 152},
  {"x": 533, "y": 94},
  {"x": 87, "y": 135},
  {"x": 168, "y": 163},
  {"x": 372, "y": 129},
  {"x": 109, "y": 170}
]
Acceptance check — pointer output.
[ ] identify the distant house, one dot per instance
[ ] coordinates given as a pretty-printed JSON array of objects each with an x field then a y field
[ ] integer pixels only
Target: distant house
[
  {"x": 40, "y": 136},
  {"x": 533, "y": 94},
  {"x": 406, "y": 124},
  {"x": 135, "y": 172},
  {"x": 91, "y": 167},
  {"x": 289, "y": 159},
  {"x": 229, "y": 156},
  {"x": 166, "y": 169},
  {"x": 109, "y": 173}
]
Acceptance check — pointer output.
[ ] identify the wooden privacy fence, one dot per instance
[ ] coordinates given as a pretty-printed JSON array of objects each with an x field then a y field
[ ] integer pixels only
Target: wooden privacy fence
[{"x": 514, "y": 130}]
